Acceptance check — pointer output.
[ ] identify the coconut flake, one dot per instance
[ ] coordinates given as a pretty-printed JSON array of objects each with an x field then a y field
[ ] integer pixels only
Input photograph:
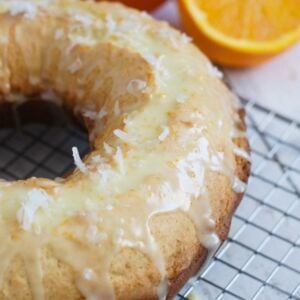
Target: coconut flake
[
  {"x": 181, "y": 98},
  {"x": 91, "y": 233},
  {"x": 49, "y": 95},
  {"x": 16, "y": 98},
  {"x": 34, "y": 80},
  {"x": 214, "y": 71},
  {"x": 102, "y": 113},
  {"x": 97, "y": 159},
  {"x": 75, "y": 66},
  {"x": 165, "y": 132},
  {"x": 109, "y": 207},
  {"x": 185, "y": 39},
  {"x": 36, "y": 199},
  {"x": 29, "y": 10},
  {"x": 78, "y": 162},
  {"x": 216, "y": 161},
  {"x": 242, "y": 153},
  {"x": 203, "y": 149},
  {"x": 108, "y": 149},
  {"x": 84, "y": 19},
  {"x": 110, "y": 23},
  {"x": 59, "y": 33},
  {"x": 238, "y": 186},
  {"x": 130, "y": 243},
  {"x": 122, "y": 135},
  {"x": 117, "y": 110},
  {"x": 156, "y": 62},
  {"x": 119, "y": 159},
  {"x": 136, "y": 85},
  {"x": 81, "y": 40},
  {"x": 90, "y": 114},
  {"x": 94, "y": 115},
  {"x": 210, "y": 240},
  {"x": 87, "y": 273}
]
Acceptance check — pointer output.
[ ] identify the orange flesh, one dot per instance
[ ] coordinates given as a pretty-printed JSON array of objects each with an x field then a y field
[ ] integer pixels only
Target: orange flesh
[{"x": 258, "y": 20}]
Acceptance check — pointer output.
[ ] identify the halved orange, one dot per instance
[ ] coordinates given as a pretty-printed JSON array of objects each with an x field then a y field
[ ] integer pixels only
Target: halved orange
[
  {"x": 241, "y": 32},
  {"x": 141, "y": 4}
]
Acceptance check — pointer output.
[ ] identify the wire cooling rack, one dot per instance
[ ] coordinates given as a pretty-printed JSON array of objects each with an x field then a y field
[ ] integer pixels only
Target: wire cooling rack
[{"x": 261, "y": 259}]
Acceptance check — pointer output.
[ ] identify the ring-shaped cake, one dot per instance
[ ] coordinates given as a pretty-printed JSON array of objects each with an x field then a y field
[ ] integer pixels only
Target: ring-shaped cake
[{"x": 169, "y": 161}]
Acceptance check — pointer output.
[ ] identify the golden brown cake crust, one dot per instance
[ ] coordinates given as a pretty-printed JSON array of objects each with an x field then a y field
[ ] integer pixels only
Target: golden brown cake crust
[{"x": 169, "y": 165}]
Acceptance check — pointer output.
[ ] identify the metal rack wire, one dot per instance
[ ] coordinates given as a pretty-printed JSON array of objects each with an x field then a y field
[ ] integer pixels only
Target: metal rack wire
[{"x": 261, "y": 259}]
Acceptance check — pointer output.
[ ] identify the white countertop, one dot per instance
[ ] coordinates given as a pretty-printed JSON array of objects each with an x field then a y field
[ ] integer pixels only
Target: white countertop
[{"x": 274, "y": 84}]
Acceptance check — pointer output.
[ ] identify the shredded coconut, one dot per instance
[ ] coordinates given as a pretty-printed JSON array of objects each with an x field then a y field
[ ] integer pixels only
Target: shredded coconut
[
  {"x": 238, "y": 186},
  {"x": 122, "y": 135},
  {"x": 167, "y": 34},
  {"x": 130, "y": 244},
  {"x": 102, "y": 113},
  {"x": 78, "y": 162},
  {"x": 97, "y": 159},
  {"x": 91, "y": 233},
  {"x": 75, "y": 66},
  {"x": 117, "y": 110},
  {"x": 110, "y": 23},
  {"x": 81, "y": 40},
  {"x": 35, "y": 200},
  {"x": 59, "y": 33},
  {"x": 185, "y": 39},
  {"x": 16, "y": 98},
  {"x": 49, "y": 95},
  {"x": 109, "y": 207},
  {"x": 216, "y": 161},
  {"x": 34, "y": 80},
  {"x": 94, "y": 115},
  {"x": 29, "y": 10},
  {"x": 181, "y": 98},
  {"x": 87, "y": 273},
  {"x": 203, "y": 149},
  {"x": 108, "y": 149},
  {"x": 214, "y": 71},
  {"x": 164, "y": 134},
  {"x": 119, "y": 159},
  {"x": 90, "y": 114},
  {"x": 210, "y": 240},
  {"x": 242, "y": 153},
  {"x": 136, "y": 85},
  {"x": 85, "y": 19}
]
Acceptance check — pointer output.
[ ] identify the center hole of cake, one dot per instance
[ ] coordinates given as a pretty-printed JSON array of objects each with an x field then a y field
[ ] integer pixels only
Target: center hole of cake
[{"x": 36, "y": 140}]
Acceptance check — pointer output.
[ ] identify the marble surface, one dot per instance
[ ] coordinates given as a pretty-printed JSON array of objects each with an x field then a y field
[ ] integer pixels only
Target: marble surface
[{"x": 274, "y": 84}]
